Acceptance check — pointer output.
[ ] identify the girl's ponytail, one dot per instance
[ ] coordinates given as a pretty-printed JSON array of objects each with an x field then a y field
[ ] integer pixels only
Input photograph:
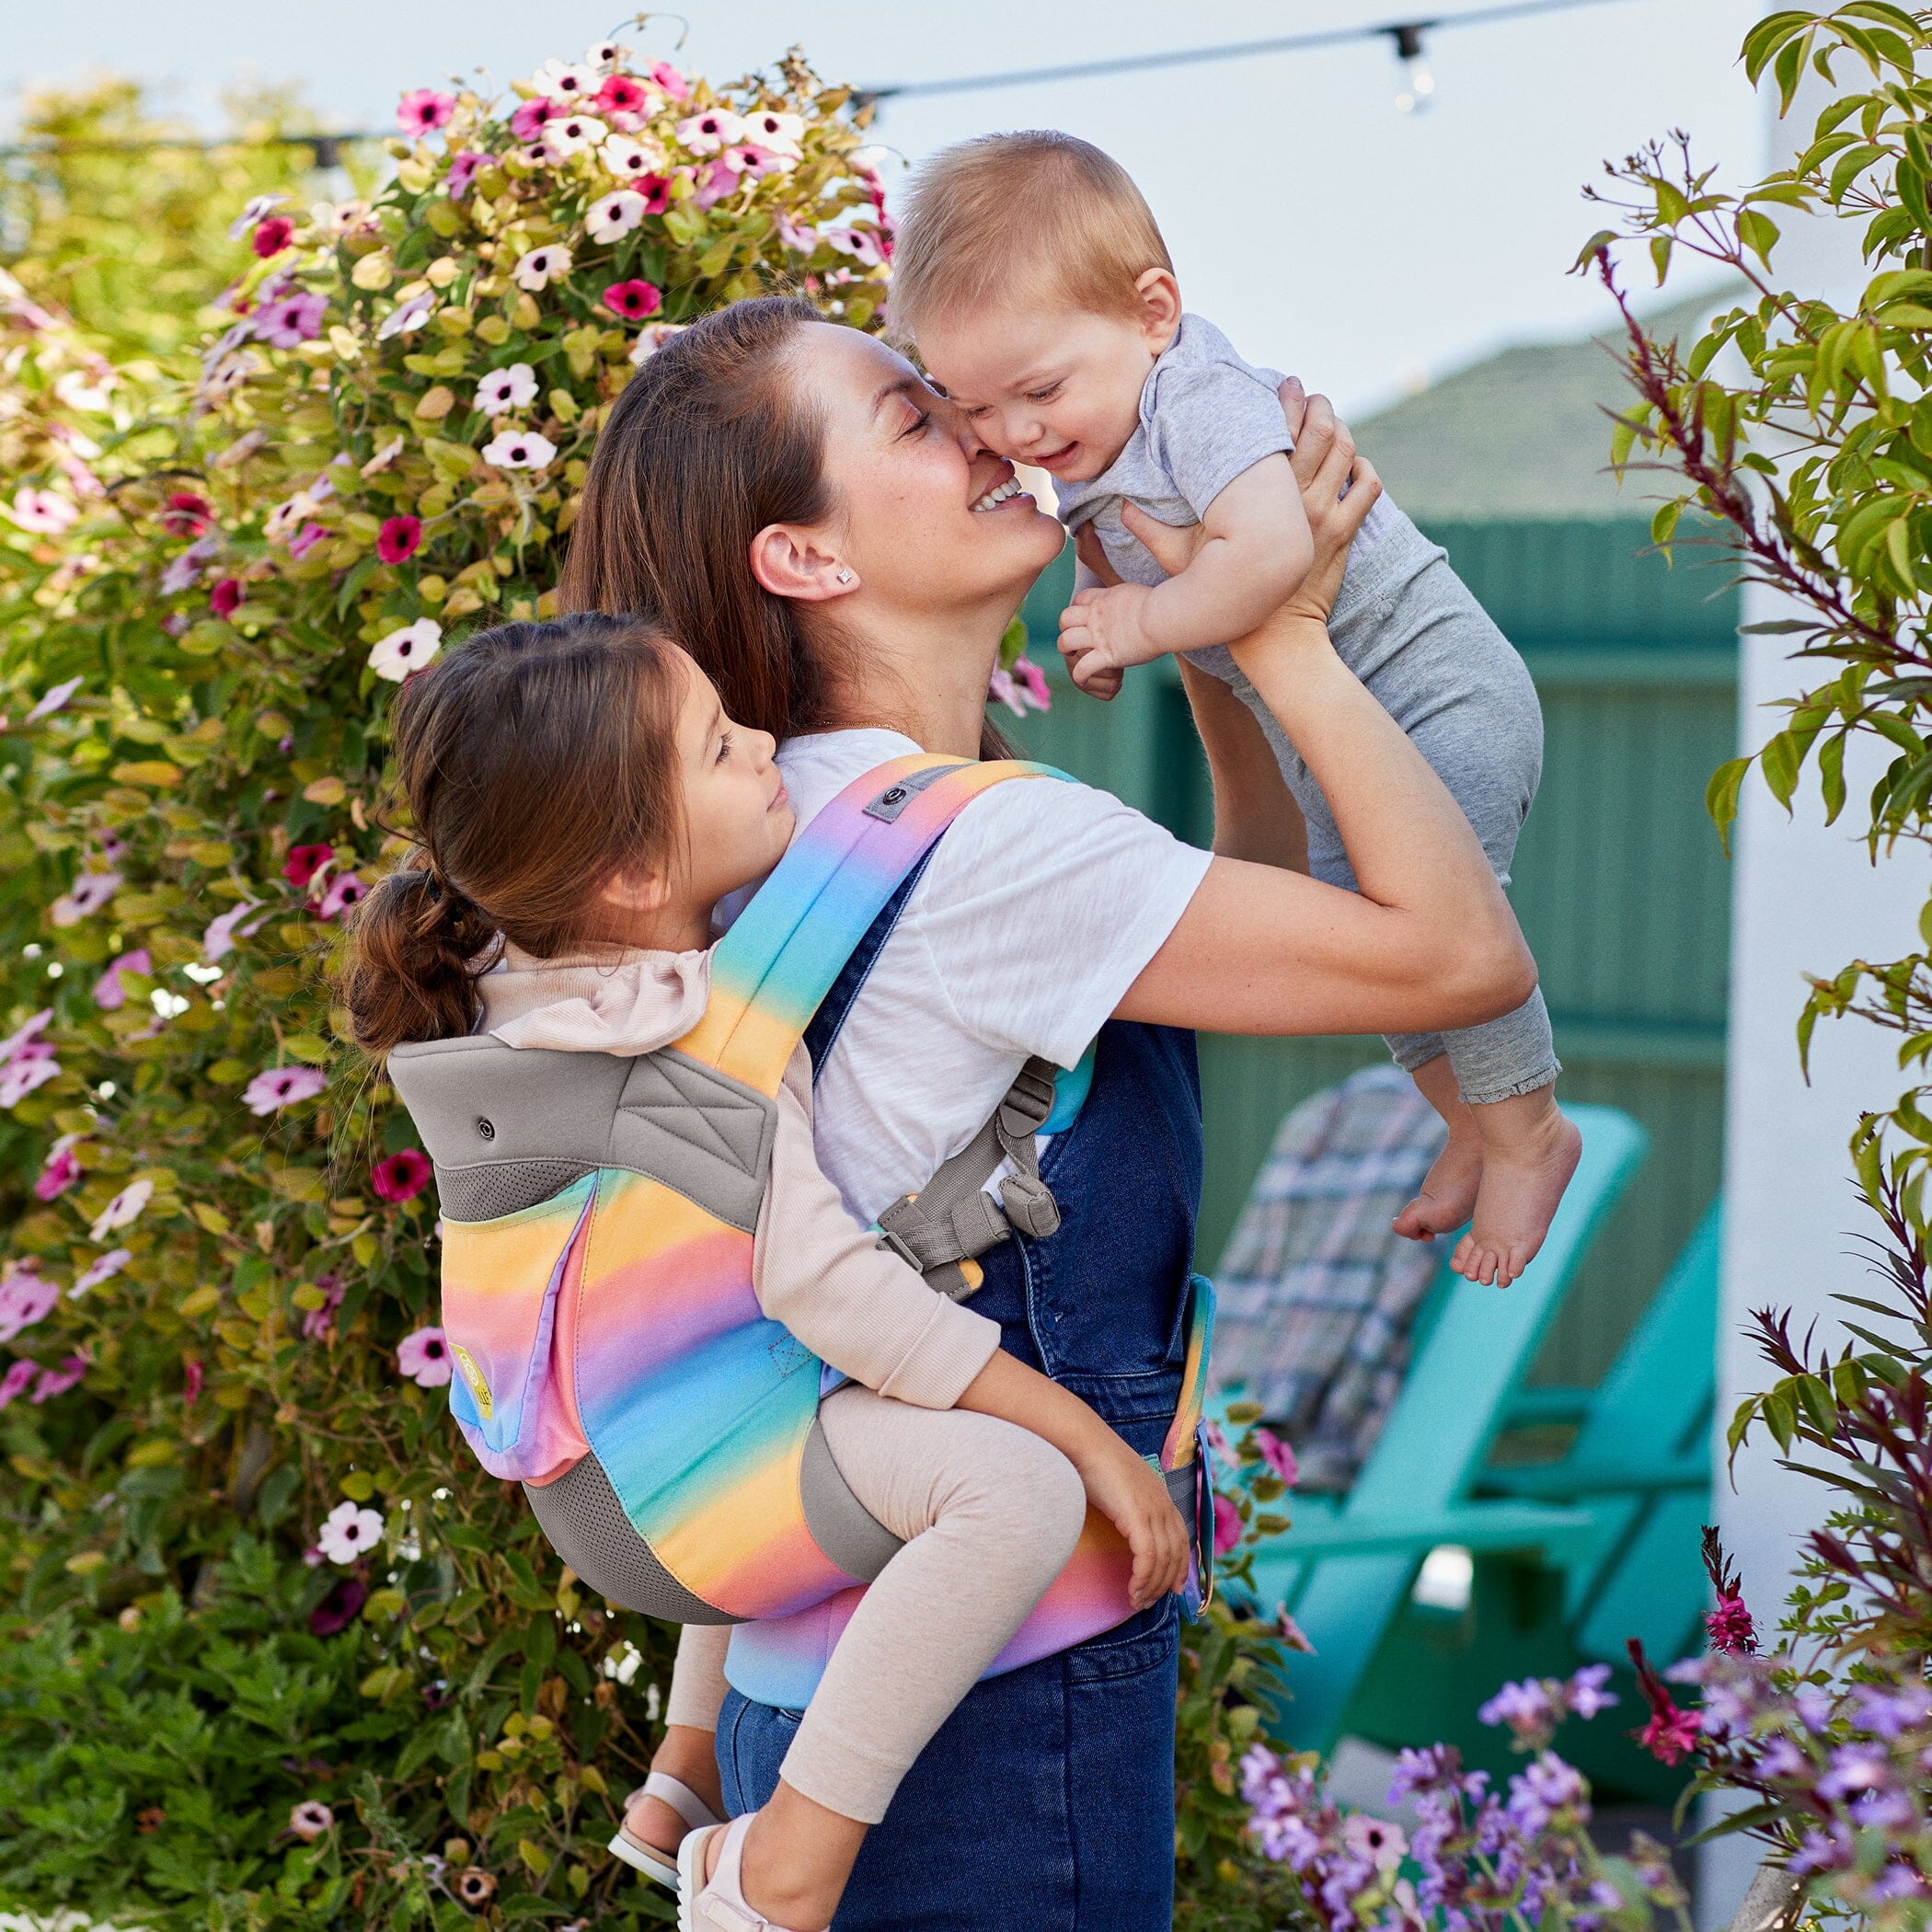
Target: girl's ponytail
[{"x": 419, "y": 947}]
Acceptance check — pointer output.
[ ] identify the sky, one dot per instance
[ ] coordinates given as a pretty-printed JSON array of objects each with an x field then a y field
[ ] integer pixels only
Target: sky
[{"x": 1328, "y": 234}]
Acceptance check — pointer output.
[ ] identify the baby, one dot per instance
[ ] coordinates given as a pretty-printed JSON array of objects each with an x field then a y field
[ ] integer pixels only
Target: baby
[
  {"x": 1033, "y": 281},
  {"x": 582, "y": 802}
]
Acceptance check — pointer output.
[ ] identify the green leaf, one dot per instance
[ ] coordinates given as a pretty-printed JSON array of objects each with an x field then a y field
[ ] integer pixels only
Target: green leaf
[
  {"x": 1780, "y": 762},
  {"x": 1720, "y": 796}
]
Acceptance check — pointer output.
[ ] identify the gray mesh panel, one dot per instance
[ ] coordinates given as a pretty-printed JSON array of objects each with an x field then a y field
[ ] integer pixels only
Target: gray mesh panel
[
  {"x": 587, "y": 1528},
  {"x": 840, "y": 1524},
  {"x": 485, "y": 1193}
]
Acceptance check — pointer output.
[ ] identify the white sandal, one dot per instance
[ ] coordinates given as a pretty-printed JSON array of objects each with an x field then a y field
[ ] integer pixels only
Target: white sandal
[
  {"x": 695, "y": 1898},
  {"x": 653, "y": 1862}
]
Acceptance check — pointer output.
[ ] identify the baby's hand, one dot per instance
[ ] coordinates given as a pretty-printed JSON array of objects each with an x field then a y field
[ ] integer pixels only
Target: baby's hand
[
  {"x": 1130, "y": 1493},
  {"x": 1102, "y": 630}
]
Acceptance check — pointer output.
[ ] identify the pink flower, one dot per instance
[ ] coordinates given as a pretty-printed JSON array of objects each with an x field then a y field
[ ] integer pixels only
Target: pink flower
[
  {"x": 621, "y": 95},
  {"x": 754, "y": 162},
  {"x": 343, "y": 891},
  {"x": 108, "y": 993},
  {"x": 796, "y": 236},
  {"x": 26, "y": 1298},
  {"x": 305, "y": 539},
  {"x": 33, "y": 1067},
  {"x": 1731, "y": 1627},
  {"x": 424, "y": 1358},
  {"x": 309, "y": 1819},
  {"x": 317, "y": 1324},
  {"x": 713, "y": 186},
  {"x": 292, "y": 319},
  {"x": 1227, "y": 1525},
  {"x": 185, "y": 514},
  {"x": 335, "y": 1612},
  {"x": 60, "y": 1169},
  {"x": 1671, "y": 1733},
  {"x": 225, "y": 598},
  {"x": 271, "y": 236},
  {"x": 105, "y": 1269},
  {"x": 402, "y": 1176},
  {"x": 663, "y": 74},
  {"x": 58, "y": 1381},
  {"x": 43, "y": 512},
  {"x": 348, "y": 1532},
  {"x": 219, "y": 938},
  {"x": 16, "y": 1380},
  {"x": 399, "y": 539},
  {"x": 257, "y": 208},
  {"x": 278, "y": 1087},
  {"x": 28, "y": 1033},
  {"x": 1291, "y": 1632},
  {"x": 863, "y": 244},
  {"x": 424, "y": 111},
  {"x": 1031, "y": 679},
  {"x": 633, "y": 300},
  {"x": 191, "y": 1384},
  {"x": 1279, "y": 1456},
  {"x": 656, "y": 191},
  {"x": 463, "y": 171},
  {"x": 527, "y": 122},
  {"x": 90, "y": 891},
  {"x": 303, "y": 862}
]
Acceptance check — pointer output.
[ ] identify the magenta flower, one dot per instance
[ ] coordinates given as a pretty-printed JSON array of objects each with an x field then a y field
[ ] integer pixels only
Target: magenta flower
[
  {"x": 271, "y": 236},
  {"x": 26, "y": 1299},
  {"x": 60, "y": 1169},
  {"x": 1277, "y": 1454},
  {"x": 424, "y": 1358},
  {"x": 190, "y": 1383},
  {"x": 713, "y": 186},
  {"x": 1671, "y": 1733},
  {"x": 1731, "y": 1627},
  {"x": 1227, "y": 1525},
  {"x": 292, "y": 319},
  {"x": 225, "y": 598},
  {"x": 304, "y": 540},
  {"x": 527, "y": 122},
  {"x": 344, "y": 890},
  {"x": 399, "y": 539},
  {"x": 310, "y": 1819},
  {"x": 303, "y": 862},
  {"x": 16, "y": 1380},
  {"x": 1031, "y": 679},
  {"x": 633, "y": 300},
  {"x": 425, "y": 111},
  {"x": 336, "y": 1610},
  {"x": 59, "y": 1380},
  {"x": 402, "y": 1176},
  {"x": 108, "y": 993},
  {"x": 463, "y": 171},
  {"x": 621, "y": 95},
  {"x": 185, "y": 514},
  {"x": 276, "y": 1087}
]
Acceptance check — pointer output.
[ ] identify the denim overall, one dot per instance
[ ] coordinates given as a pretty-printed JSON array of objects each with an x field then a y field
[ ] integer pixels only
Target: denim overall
[{"x": 1045, "y": 1803}]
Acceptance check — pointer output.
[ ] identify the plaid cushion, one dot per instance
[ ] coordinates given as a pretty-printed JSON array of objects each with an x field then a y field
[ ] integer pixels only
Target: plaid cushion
[{"x": 1317, "y": 1296}]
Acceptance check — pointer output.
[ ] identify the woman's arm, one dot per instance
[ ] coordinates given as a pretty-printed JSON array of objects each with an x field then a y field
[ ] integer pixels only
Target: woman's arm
[
  {"x": 1256, "y": 817},
  {"x": 1428, "y": 942}
]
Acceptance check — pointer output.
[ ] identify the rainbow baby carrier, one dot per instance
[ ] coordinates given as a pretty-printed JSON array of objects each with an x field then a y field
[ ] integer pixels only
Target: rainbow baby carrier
[{"x": 598, "y": 1220}]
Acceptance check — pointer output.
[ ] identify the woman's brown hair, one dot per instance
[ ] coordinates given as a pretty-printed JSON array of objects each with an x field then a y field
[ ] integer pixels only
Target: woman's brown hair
[
  {"x": 538, "y": 761},
  {"x": 708, "y": 443}
]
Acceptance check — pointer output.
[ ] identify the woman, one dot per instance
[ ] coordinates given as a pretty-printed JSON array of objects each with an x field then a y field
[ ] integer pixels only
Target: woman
[{"x": 839, "y": 552}]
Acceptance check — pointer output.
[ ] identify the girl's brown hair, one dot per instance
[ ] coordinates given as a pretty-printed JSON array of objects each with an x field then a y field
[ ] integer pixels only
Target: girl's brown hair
[
  {"x": 708, "y": 443},
  {"x": 538, "y": 761}
]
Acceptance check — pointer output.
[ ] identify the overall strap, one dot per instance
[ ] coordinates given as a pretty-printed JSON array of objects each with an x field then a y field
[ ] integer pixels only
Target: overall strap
[{"x": 790, "y": 943}]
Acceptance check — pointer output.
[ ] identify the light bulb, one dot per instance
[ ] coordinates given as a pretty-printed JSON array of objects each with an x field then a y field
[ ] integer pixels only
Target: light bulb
[{"x": 1418, "y": 82}]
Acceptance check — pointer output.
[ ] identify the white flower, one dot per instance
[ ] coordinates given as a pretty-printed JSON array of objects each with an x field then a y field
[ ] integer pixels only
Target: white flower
[
  {"x": 409, "y": 649},
  {"x": 105, "y": 1269},
  {"x": 503, "y": 390},
  {"x": 571, "y": 134},
  {"x": 780, "y": 132},
  {"x": 406, "y": 316},
  {"x": 34, "y": 1068},
  {"x": 600, "y": 56},
  {"x": 536, "y": 270},
  {"x": 125, "y": 1207},
  {"x": 569, "y": 85},
  {"x": 630, "y": 160},
  {"x": 520, "y": 449},
  {"x": 616, "y": 215},
  {"x": 384, "y": 457},
  {"x": 87, "y": 392},
  {"x": 652, "y": 338},
  {"x": 41, "y": 512},
  {"x": 91, "y": 890},
  {"x": 347, "y": 1531},
  {"x": 706, "y": 133},
  {"x": 56, "y": 696},
  {"x": 253, "y": 213}
]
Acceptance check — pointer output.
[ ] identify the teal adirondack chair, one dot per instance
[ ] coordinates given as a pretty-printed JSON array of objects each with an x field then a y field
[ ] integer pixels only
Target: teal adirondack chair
[
  {"x": 1344, "y": 1569},
  {"x": 1640, "y": 1464}
]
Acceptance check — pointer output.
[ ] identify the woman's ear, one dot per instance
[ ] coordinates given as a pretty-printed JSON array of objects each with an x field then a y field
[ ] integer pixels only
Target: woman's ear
[
  {"x": 1160, "y": 306},
  {"x": 790, "y": 561}
]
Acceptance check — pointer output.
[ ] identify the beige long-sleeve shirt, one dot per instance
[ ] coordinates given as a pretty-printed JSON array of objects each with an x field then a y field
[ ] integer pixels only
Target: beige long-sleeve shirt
[{"x": 817, "y": 1270}]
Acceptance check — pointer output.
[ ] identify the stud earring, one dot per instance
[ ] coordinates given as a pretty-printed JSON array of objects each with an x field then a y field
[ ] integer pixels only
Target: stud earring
[{"x": 845, "y": 576}]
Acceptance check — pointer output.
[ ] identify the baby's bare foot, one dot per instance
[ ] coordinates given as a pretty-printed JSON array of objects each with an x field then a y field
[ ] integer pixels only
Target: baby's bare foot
[
  {"x": 1448, "y": 1190},
  {"x": 1529, "y": 1152}
]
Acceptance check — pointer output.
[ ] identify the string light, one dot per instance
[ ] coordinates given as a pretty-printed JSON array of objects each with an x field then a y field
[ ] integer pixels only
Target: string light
[{"x": 1419, "y": 82}]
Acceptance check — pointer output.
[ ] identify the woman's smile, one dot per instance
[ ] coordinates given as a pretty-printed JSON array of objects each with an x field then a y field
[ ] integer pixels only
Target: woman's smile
[{"x": 1005, "y": 488}]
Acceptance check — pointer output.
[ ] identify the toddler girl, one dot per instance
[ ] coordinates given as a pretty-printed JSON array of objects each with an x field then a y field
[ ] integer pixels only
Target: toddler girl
[
  {"x": 581, "y": 803},
  {"x": 1041, "y": 295}
]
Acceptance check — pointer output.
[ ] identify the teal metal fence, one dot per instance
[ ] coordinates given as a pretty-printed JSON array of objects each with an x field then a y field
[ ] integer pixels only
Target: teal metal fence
[{"x": 1620, "y": 883}]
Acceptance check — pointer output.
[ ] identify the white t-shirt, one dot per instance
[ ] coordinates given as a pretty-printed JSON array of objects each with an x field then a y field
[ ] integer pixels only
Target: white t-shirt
[{"x": 1038, "y": 911}]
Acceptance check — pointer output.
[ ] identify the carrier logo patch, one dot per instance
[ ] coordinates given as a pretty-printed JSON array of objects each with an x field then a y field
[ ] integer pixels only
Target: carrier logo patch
[{"x": 474, "y": 1376}]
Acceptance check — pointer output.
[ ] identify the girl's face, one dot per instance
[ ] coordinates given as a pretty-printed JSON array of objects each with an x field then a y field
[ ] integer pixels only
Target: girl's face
[
  {"x": 737, "y": 816},
  {"x": 930, "y": 519}
]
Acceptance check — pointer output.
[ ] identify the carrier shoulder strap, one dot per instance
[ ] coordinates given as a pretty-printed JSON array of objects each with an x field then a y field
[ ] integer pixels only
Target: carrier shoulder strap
[{"x": 788, "y": 946}]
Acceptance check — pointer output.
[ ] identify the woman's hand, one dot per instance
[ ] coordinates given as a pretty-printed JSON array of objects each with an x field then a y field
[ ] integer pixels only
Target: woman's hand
[
  {"x": 1128, "y": 1490},
  {"x": 1339, "y": 489}
]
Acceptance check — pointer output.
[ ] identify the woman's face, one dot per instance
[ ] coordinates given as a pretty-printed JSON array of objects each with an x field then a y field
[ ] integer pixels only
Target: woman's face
[{"x": 929, "y": 519}]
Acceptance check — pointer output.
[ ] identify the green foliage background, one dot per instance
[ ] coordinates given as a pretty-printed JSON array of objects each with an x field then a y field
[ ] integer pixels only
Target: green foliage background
[{"x": 175, "y": 1678}]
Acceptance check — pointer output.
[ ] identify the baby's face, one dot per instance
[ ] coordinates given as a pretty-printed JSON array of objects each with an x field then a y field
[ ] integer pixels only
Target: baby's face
[{"x": 1058, "y": 387}]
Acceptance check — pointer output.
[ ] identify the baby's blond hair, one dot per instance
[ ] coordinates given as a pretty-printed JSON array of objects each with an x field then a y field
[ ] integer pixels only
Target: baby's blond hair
[{"x": 1029, "y": 215}]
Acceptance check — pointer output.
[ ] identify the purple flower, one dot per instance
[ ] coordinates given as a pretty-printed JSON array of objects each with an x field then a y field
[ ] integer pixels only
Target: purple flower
[
  {"x": 1882, "y": 1809},
  {"x": 1891, "y": 1713},
  {"x": 463, "y": 171},
  {"x": 16, "y": 1380},
  {"x": 281, "y": 1087},
  {"x": 220, "y": 936},
  {"x": 1587, "y": 1698},
  {"x": 336, "y": 1610},
  {"x": 33, "y": 1066},
  {"x": 1779, "y": 1757},
  {"x": 305, "y": 539},
  {"x": 1822, "y": 1851},
  {"x": 187, "y": 568},
  {"x": 292, "y": 319},
  {"x": 1524, "y": 1707},
  {"x": 107, "y": 1266},
  {"x": 58, "y": 1381},
  {"x": 26, "y": 1298},
  {"x": 90, "y": 892},
  {"x": 108, "y": 993},
  {"x": 1856, "y": 1767},
  {"x": 317, "y": 1324}
]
